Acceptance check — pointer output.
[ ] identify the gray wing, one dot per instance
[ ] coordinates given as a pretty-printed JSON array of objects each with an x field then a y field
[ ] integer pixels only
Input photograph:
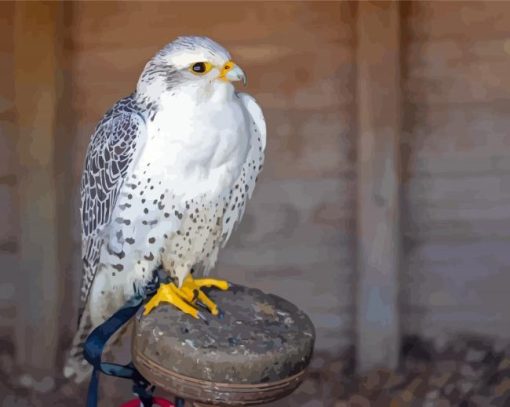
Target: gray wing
[{"x": 112, "y": 150}]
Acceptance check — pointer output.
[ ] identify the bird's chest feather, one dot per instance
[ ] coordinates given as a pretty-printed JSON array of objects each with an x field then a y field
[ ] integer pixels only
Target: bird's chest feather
[
  {"x": 179, "y": 189},
  {"x": 196, "y": 148}
]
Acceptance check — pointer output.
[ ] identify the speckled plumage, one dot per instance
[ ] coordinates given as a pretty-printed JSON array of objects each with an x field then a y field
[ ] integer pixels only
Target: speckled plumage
[{"x": 167, "y": 176}]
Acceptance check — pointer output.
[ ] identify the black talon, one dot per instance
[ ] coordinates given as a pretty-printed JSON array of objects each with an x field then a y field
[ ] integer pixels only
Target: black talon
[{"x": 203, "y": 317}]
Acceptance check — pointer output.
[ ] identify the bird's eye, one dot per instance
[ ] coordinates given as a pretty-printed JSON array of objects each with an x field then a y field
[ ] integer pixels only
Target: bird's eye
[{"x": 200, "y": 68}]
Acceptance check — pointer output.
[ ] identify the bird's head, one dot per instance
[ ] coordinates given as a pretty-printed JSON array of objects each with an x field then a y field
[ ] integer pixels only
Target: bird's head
[{"x": 194, "y": 62}]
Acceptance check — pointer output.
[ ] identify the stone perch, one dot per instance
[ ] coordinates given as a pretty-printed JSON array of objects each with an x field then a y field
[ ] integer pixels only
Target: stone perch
[{"x": 255, "y": 353}]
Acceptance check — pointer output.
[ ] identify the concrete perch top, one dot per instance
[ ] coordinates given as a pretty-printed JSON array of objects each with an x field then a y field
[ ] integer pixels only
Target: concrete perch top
[{"x": 256, "y": 352}]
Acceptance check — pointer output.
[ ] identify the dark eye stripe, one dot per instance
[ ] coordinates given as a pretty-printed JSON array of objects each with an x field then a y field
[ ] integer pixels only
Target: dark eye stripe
[{"x": 199, "y": 67}]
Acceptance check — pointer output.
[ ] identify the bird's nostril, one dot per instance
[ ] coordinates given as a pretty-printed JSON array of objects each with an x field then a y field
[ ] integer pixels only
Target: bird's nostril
[{"x": 227, "y": 67}]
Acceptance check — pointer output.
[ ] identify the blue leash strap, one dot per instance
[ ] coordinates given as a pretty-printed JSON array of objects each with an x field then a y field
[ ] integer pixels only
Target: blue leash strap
[{"x": 93, "y": 351}]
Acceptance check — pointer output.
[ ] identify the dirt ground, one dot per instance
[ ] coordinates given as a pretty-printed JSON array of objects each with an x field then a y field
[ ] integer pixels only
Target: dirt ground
[{"x": 463, "y": 372}]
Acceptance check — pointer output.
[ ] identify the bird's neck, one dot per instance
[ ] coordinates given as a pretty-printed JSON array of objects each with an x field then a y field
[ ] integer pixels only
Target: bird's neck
[{"x": 214, "y": 92}]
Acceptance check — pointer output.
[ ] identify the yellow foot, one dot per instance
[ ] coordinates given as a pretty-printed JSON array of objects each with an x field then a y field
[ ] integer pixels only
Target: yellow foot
[{"x": 186, "y": 297}]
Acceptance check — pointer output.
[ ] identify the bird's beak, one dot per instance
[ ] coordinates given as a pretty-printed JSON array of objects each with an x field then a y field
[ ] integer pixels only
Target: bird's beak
[{"x": 232, "y": 72}]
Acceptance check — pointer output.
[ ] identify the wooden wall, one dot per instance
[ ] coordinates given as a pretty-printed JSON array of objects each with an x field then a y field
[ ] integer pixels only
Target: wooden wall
[
  {"x": 456, "y": 144},
  {"x": 298, "y": 238},
  {"x": 8, "y": 213}
]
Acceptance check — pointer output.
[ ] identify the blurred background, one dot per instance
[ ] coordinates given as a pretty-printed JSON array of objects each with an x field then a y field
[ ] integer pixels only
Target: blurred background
[{"x": 383, "y": 210}]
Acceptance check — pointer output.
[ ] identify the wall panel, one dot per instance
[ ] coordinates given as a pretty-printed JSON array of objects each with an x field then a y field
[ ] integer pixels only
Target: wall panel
[{"x": 456, "y": 143}]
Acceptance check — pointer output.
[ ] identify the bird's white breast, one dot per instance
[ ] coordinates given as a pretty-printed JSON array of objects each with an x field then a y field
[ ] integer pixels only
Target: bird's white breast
[{"x": 198, "y": 145}]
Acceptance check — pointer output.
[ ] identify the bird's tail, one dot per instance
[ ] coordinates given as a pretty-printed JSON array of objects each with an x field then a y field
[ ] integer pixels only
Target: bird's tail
[{"x": 76, "y": 367}]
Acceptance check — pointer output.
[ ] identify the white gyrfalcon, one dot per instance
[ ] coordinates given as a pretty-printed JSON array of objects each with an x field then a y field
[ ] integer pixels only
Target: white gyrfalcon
[{"x": 167, "y": 176}]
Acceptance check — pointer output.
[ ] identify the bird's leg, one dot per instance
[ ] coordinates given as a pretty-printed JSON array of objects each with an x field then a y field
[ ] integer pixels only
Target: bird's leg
[{"x": 185, "y": 297}]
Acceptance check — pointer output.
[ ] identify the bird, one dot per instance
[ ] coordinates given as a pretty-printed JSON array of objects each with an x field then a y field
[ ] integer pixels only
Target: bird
[{"x": 167, "y": 175}]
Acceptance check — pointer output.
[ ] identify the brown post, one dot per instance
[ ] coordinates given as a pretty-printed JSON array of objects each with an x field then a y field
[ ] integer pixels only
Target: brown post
[
  {"x": 378, "y": 100},
  {"x": 37, "y": 82}
]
